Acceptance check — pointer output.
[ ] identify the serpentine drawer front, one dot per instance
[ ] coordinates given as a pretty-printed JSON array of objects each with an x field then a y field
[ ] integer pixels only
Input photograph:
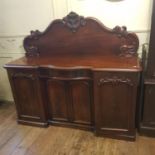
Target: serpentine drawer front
[
  {"x": 66, "y": 74},
  {"x": 77, "y": 73}
]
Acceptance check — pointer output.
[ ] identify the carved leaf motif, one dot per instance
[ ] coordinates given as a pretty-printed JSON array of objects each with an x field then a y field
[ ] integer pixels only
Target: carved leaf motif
[
  {"x": 73, "y": 21},
  {"x": 115, "y": 81},
  {"x": 32, "y": 49},
  {"x": 128, "y": 50},
  {"x": 120, "y": 31},
  {"x": 35, "y": 34},
  {"x": 129, "y": 42}
]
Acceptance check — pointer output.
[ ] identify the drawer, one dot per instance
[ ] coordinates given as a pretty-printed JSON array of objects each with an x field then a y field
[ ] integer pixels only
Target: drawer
[
  {"x": 131, "y": 78},
  {"x": 23, "y": 73},
  {"x": 59, "y": 73}
]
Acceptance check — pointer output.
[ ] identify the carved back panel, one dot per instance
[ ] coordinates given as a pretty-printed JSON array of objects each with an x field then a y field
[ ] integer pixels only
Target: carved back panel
[{"x": 77, "y": 35}]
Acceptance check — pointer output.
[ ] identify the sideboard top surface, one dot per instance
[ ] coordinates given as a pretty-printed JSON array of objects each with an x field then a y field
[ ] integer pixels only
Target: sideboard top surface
[{"x": 97, "y": 62}]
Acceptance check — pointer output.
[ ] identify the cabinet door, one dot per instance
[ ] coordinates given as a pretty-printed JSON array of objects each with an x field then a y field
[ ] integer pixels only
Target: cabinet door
[
  {"x": 26, "y": 94},
  {"x": 115, "y": 102},
  {"x": 149, "y": 106},
  {"x": 58, "y": 100},
  {"x": 81, "y": 95}
]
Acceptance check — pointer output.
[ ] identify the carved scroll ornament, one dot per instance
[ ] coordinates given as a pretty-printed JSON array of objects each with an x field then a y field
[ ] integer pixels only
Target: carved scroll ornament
[
  {"x": 73, "y": 21},
  {"x": 120, "y": 31},
  {"x": 129, "y": 41},
  {"x": 128, "y": 50},
  {"x": 115, "y": 81},
  {"x": 30, "y": 46}
]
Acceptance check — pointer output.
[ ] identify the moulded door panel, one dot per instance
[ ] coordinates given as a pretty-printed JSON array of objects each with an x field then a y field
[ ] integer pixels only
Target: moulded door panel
[
  {"x": 113, "y": 111},
  {"x": 81, "y": 95},
  {"x": 27, "y": 97},
  {"x": 58, "y": 100}
]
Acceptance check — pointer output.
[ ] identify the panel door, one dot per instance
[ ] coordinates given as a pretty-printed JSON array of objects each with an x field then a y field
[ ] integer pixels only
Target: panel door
[
  {"x": 115, "y": 102},
  {"x": 81, "y": 101},
  {"x": 114, "y": 106},
  {"x": 58, "y": 100},
  {"x": 26, "y": 95}
]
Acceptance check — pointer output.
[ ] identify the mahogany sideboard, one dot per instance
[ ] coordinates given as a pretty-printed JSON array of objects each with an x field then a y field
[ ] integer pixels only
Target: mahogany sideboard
[{"x": 78, "y": 73}]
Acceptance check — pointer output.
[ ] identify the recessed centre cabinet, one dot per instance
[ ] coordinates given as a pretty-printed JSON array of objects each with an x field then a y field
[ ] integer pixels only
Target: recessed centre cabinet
[
  {"x": 78, "y": 73},
  {"x": 70, "y": 97}
]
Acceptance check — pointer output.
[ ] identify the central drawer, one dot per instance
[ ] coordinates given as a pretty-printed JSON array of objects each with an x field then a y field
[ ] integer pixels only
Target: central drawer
[{"x": 65, "y": 73}]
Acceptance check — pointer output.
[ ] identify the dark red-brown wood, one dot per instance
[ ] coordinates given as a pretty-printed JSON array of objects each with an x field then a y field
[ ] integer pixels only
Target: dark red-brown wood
[
  {"x": 26, "y": 92},
  {"x": 81, "y": 74},
  {"x": 115, "y": 100},
  {"x": 77, "y": 35}
]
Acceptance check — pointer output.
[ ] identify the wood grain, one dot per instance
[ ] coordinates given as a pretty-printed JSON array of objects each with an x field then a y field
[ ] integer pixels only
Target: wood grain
[
  {"x": 26, "y": 140},
  {"x": 78, "y": 35},
  {"x": 68, "y": 62}
]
